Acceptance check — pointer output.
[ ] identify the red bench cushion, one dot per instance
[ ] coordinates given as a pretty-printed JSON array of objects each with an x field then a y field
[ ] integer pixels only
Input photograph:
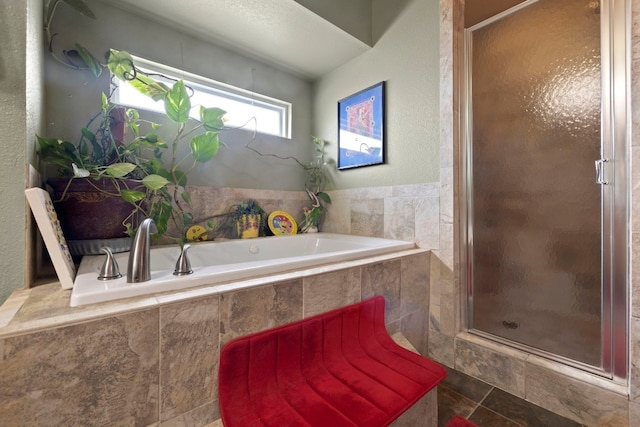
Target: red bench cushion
[
  {"x": 458, "y": 421},
  {"x": 339, "y": 368}
]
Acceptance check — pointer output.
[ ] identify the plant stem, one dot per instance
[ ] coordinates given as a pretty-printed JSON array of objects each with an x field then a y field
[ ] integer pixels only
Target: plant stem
[
  {"x": 47, "y": 31},
  {"x": 248, "y": 146}
]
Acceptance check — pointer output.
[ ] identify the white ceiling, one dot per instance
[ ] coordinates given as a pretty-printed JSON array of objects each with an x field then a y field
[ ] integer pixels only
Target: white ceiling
[{"x": 279, "y": 32}]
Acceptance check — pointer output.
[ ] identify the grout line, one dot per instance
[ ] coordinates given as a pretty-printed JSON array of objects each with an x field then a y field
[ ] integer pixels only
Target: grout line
[
  {"x": 478, "y": 404},
  {"x": 486, "y": 395},
  {"x": 505, "y": 417}
]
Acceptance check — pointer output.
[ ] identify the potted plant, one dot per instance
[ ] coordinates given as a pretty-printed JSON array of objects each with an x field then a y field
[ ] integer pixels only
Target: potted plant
[
  {"x": 132, "y": 160},
  {"x": 316, "y": 180},
  {"x": 119, "y": 156},
  {"x": 248, "y": 219}
]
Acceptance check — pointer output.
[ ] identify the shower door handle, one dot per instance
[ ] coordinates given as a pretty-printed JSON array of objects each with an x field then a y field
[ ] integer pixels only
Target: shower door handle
[{"x": 600, "y": 172}]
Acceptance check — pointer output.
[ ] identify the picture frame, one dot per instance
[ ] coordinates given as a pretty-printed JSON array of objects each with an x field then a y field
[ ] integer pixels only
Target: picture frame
[
  {"x": 47, "y": 220},
  {"x": 361, "y": 140}
]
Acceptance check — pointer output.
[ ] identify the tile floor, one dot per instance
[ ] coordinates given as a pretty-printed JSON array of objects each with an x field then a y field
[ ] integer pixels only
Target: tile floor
[{"x": 488, "y": 406}]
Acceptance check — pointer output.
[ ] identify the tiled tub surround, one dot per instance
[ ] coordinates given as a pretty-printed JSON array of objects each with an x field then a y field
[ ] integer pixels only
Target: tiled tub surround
[
  {"x": 206, "y": 202},
  {"x": 153, "y": 360},
  {"x": 403, "y": 212},
  {"x": 408, "y": 212}
]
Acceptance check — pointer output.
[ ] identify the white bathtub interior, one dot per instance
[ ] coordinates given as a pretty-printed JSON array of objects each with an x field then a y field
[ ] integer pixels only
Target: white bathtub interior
[{"x": 224, "y": 261}]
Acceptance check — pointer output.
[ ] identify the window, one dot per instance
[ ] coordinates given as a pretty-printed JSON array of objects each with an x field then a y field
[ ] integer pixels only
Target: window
[{"x": 272, "y": 116}]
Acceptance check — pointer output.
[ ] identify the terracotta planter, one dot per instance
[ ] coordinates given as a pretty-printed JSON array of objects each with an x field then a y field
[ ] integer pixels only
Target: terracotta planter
[{"x": 90, "y": 213}]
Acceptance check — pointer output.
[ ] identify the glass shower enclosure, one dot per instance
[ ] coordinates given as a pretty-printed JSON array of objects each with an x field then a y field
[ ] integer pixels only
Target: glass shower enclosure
[{"x": 542, "y": 183}]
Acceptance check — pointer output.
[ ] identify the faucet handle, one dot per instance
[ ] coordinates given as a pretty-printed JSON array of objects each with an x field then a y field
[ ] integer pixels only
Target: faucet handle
[
  {"x": 110, "y": 269},
  {"x": 183, "y": 266}
]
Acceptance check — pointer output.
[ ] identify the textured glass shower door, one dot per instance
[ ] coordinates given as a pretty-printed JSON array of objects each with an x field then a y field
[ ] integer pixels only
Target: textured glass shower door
[{"x": 535, "y": 210}]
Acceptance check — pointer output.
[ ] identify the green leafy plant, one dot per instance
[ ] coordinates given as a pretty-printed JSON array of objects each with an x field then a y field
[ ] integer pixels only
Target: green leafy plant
[
  {"x": 135, "y": 155},
  {"x": 316, "y": 180},
  {"x": 145, "y": 169}
]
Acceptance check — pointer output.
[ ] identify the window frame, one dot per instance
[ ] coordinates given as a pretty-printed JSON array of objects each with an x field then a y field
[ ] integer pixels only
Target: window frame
[{"x": 213, "y": 87}]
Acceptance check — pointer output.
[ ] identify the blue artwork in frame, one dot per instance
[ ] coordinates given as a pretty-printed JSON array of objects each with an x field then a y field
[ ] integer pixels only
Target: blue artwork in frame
[{"x": 361, "y": 128}]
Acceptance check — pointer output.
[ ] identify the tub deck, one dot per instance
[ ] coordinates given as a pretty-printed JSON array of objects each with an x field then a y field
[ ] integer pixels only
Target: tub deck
[{"x": 220, "y": 262}]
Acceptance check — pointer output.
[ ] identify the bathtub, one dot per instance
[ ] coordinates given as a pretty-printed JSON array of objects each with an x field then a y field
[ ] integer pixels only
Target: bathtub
[{"x": 226, "y": 261}]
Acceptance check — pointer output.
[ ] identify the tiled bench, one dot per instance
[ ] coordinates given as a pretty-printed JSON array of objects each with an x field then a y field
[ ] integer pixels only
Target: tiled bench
[{"x": 339, "y": 368}]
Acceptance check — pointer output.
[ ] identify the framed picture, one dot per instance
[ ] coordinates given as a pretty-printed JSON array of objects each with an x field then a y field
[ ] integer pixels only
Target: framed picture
[
  {"x": 49, "y": 226},
  {"x": 361, "y": 128}
]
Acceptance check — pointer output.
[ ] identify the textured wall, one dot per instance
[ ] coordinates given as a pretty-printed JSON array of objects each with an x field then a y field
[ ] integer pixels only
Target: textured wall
[
  {"x": 406, "y": 57},
  {"x": 20, "y": 94},
  {"x": 353, "y": 16}
]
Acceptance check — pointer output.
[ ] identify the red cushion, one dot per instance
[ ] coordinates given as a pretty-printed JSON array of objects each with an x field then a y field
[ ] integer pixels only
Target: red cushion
[
  {"x": 458, "y": 421},
  {"x": 339, "y": 368}
]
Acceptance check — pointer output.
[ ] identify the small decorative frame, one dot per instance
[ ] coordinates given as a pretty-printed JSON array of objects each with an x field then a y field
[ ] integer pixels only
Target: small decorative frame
[
  {"x": 49, "y": 226},
  {"x": 282, "y": 224},
  {"x": 361, "y": 128}
]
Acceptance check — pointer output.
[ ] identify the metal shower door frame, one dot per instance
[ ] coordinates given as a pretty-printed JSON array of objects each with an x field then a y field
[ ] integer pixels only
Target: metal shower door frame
[{"x": 615, "y": 33}]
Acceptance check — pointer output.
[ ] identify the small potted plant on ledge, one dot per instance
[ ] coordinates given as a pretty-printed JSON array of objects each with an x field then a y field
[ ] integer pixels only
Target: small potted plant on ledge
[
  {"x": 248, "y": 219},
  {"x": 316, "y": 180}
]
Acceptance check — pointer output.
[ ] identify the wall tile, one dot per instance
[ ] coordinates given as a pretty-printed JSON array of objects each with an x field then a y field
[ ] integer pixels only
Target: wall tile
[
  {"x": 384, "y": 279},
  {"x": 574, "y": 399},
  {"x": 446, "y": 82},
  {"x": 449, "y": 303},
  {"x": 446, "y": 195},
  {"x": 427, "y": 232},
  {"x": 444, "y": 297},
  {"x": 429, "y": 189},
  {"x": 634, "y": 413},
  {"x": 635, "y": 39},
  {"x": 446, "y": 250},
  {"x": 635, "y": 189},
  {"x": 423, "y": 413},
  {"x": 256, "y": 309},
  {"x": 414, "y": 289},
  {"x": 635, "y": 274},
  {"x": 208, "y": 201},
  {"x": 635, "y": 93},
  {"x": 392, "y": 327},
  {"x": 338, "y": 216},
  {"x": 97, "y": 373},
  {"x": 399, "y": 219},
  {"x": 363, "y": 193},
  {"x": 434, "y": 318},
  {"x": 435, "y": 267},
  {"x": 189, "y": 334},
  {"x": 495, "y": 364},
  {"x": 367, "y": 217},
  {"x": 441, "y": 348},
  {"x": 330, "y": 291},
  {"x": 404, "y": 212},
  {"x": 204, "y": 415},
  {"x": 415, "y": 328},
  {"x": 634, "y": 350}
]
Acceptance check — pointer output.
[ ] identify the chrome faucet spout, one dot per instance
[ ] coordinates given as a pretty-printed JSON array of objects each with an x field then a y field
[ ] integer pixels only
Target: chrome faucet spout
[{"x": 139, "y": 266}]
